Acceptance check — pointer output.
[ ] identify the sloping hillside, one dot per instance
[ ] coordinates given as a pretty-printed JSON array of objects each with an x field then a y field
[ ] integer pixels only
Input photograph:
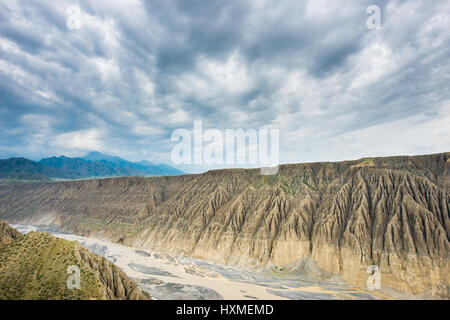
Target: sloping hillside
[
  {"x": 34, "y": 266},
  {"x": 392, "y": 212}
]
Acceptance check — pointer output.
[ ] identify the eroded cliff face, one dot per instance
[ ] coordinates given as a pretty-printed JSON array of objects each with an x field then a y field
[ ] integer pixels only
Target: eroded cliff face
[
  {"x": 8, "y": 234},
  {"x": 115, "y": 284},
  {"x": 391, "y": 212}
]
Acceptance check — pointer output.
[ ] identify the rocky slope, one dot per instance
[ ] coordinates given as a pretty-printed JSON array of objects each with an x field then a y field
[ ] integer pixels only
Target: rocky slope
[
  {"x": 392, "y": 212},
  {"x": 34, "y": 266},
  {"x": 8, "y": 234}
]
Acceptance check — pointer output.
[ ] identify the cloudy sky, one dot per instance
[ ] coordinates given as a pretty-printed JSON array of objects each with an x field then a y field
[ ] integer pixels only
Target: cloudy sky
[{"x": 125, "y": 75}]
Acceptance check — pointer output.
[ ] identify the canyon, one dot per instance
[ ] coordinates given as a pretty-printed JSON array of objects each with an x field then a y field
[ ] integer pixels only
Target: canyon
[{"x": 392, "y": 212}]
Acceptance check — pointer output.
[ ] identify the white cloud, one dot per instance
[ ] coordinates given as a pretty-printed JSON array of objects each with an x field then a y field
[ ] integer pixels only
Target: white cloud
[
  {"x": 214, "y": 78},
  {"x": 374, "y": 62},
  {"x": 78, "y": 140}
]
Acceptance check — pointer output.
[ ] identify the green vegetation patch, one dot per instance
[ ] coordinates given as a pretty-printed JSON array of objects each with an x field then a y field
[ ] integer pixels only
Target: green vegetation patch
[{"x": 35, "y": 268}]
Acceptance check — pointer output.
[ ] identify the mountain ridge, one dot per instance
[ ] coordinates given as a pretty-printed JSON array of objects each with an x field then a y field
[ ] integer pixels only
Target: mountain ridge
[{"x": 93, "y": 165}]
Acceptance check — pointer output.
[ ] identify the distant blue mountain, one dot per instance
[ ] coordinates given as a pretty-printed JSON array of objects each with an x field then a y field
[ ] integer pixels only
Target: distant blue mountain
[
  {"x": 170, "y": 171},
  {"x": 145, "y": 163},
  {"x": 147, "y": 166},
  {"x": 97, "y": 156},
  {"x": 94, "y": 164}
]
